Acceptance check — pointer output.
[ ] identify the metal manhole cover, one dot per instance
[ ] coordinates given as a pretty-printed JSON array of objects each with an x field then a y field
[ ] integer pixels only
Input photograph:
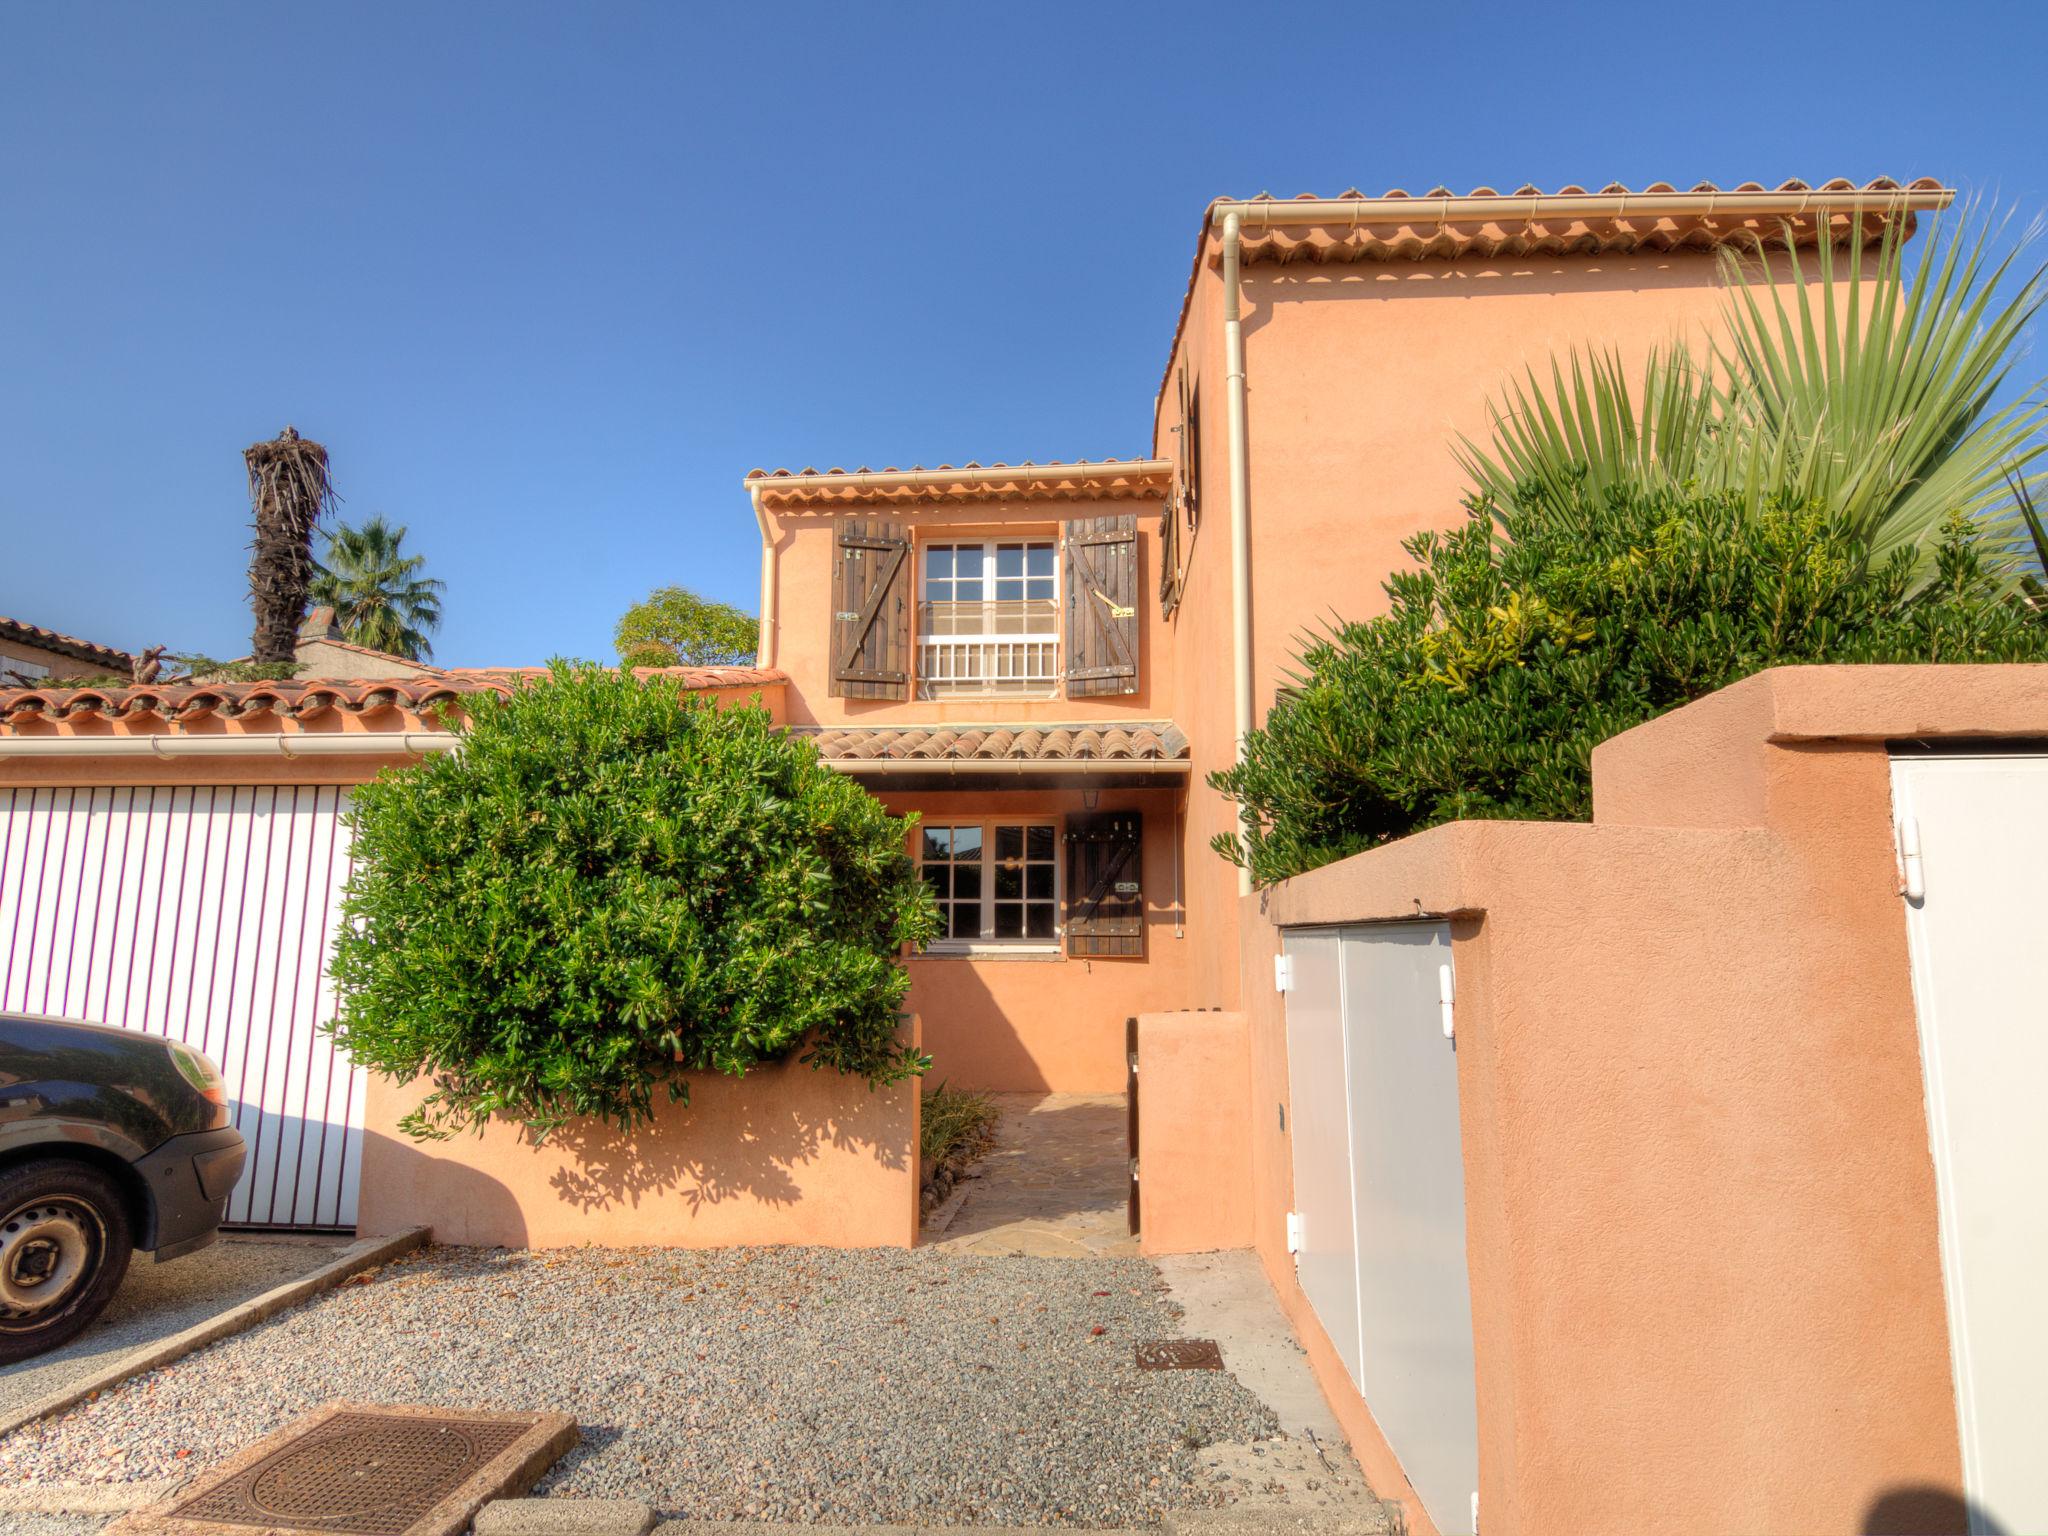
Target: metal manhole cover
[
  {"x": 1179, "y": 1355},
  {"x": 356, "y": 1470}
]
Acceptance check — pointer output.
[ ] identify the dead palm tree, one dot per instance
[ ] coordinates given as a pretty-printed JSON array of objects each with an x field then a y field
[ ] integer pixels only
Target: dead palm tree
[
  {"x": 378, "y": 595},
  {"x": 290, "y": 490}
]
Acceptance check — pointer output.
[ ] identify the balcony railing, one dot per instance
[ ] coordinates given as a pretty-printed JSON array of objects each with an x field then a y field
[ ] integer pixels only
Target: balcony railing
[{"x": 1007, "y": 648}]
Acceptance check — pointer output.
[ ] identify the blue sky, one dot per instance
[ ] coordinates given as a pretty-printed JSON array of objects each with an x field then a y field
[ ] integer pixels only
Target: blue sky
[{"x": 548, "y": 280}]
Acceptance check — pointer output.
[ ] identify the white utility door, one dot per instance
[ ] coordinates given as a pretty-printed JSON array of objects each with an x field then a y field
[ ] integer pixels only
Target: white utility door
[
  {"x": 1973, "y": 834},
  {"x": 204, "y": 914},
  {"x": 1379, "y": 1179},
  {"x": 1319, "y": 1127}
]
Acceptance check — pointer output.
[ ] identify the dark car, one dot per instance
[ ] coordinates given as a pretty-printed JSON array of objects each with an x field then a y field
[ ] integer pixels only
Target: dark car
[{"x": 110, "y": 1140}]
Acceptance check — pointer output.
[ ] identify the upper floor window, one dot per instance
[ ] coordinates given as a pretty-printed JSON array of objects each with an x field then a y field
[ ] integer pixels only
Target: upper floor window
[{"x": 989, "y": 619}]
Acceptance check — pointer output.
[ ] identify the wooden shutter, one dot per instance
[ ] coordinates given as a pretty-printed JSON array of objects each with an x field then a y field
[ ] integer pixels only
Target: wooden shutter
[
  {"x": 871, "y": 579},
  {"x": 1101, "y": 584},
  {"x": 1105, "y": 885}
]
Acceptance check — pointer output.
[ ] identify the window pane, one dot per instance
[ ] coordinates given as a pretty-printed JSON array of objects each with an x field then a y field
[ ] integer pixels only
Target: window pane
[
  {"x": 935, "y": 877},
  {"x": 966, "y": 842},
  {"x": 937, "y": 843},
  {"x": 1009, "y": 559},
  {"x": 1009, "y": 920},
  {"x": 938, "y": 560},
  {"x": 1038, "y": 922},
  {"x": 1038, "y": 884},
  {"x": 966, "y": 922},
  {"x": 967, "y": 589},
  {"x": 967, "y": 560},
  {"x": 1009, "y": 842},
  {"x": 1009, "y": 881},
  {"x": 1038, "y": 560},
  {"x": 1010, "y": 589},
  {"x": 1039, "y": 589},
  {"x": 1038, "y": 842},
  {"x": 967, "y": 882}
]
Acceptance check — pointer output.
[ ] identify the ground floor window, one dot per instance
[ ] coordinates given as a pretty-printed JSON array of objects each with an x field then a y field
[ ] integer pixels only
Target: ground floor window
[{"x": 996, "y": 882}]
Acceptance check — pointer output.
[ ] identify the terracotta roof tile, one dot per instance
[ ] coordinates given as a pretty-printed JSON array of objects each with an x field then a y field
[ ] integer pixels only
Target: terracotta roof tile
[
  {"x": 307, "y": 698},
  {"x": 1112, "y": 741},
  {"x": 946, "y": 484},
  {"x": 66, "y": 645}
]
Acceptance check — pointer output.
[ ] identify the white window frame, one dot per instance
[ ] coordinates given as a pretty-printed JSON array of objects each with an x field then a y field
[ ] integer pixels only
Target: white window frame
[
  {"x": 987, "y": 943},
  {"x": 1052, "y": 638}
]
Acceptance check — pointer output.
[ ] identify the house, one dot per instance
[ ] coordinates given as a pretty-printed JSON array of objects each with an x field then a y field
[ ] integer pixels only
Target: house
[
  {"x": 1614, "y": 1131},
  {"x": 30, "y": 654},
  {"x": 1047, "y": 661}
]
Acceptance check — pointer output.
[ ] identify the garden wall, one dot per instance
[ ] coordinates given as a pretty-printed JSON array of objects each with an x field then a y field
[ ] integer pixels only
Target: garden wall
[
  {"x": 1700, "y": 1205},
  {"x": 785, "y": 1155}
]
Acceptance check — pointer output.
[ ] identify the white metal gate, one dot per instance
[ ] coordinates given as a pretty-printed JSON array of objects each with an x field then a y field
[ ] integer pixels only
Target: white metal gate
[
  {"x": 203, "y": 913},
  {"x": 1379, "y": 1189},
  {"x": 1973, "y": 835}
]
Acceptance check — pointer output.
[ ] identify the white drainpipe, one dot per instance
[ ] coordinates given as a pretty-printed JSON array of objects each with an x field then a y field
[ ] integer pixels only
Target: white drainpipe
[
  {"x": 764, "y": 654},
  {"x": 1240, "y": 512}
]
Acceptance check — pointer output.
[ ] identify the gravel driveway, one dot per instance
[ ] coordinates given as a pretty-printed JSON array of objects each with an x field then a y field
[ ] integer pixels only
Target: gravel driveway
[{"x": 766, "y": 1384}]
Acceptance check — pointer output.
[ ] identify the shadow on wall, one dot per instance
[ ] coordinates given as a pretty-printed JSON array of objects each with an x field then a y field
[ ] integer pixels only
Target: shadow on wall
[
  {"x": 785, "y": 1155},
  {"x": 1923, "y": 1510},
  {"x": 759, "y": 1145}
]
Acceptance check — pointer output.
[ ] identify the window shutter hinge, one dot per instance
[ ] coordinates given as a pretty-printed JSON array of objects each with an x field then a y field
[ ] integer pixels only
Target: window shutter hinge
[
  {"x": 1912, "y": 872},
  {"x": 1283, "y": 973},
  {"x": 1294, "y": 1231}
]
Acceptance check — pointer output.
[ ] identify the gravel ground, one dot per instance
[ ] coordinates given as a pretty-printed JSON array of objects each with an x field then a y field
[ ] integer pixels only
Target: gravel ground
[
  {"x": 766, "y": 1384},
  {"x": 158, "y": 1300}
]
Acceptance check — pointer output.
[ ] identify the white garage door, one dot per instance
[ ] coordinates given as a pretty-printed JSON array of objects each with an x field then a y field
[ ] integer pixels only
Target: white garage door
[
  {"x": 202, "y": 913},
  {"x": 1976, "y": 830}
]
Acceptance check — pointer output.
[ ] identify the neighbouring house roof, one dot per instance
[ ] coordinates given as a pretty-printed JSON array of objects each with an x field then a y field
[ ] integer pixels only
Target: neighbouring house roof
[
  {"x": 1531, "y": 222},
  {"x": 309, "y": 698},
  {"x": 1094, "y": 741},
  {"x": 66, "y": 645},
  {"x": 1081, "y": 480}
]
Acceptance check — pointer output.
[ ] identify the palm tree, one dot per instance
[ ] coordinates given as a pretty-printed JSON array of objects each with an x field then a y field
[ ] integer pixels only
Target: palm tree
[
  {"x": 290, "y": 491},
  {"x": 378, "y": 595},
  {"x": 1870, "y": 392}
]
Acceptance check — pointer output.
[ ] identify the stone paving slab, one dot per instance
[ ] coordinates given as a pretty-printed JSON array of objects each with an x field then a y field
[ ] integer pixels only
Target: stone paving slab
[{"x": 1056, "y": 1185}]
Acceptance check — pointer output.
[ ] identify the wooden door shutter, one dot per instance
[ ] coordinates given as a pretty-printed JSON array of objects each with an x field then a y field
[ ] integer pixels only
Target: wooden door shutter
[
  {"x": 1101, "y": 584},
  {"x": 871, "y": 606},
  {"x": 1105, "y": 885}
]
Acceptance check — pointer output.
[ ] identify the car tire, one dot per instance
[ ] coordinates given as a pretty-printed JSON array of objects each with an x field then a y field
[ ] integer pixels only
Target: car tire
[{"x": 64, "y": 1246}]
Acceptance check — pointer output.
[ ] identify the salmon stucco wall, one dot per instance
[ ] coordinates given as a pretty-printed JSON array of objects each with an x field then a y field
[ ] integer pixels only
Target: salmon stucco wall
[
  {"x": 1047, "y": 1022},
  {"x": 1194, "y": 1128},
  {"x": 784, "y": 1155},
  {"x": 1700, "y": 1206},
  {"x": 1361, "y": 378}
]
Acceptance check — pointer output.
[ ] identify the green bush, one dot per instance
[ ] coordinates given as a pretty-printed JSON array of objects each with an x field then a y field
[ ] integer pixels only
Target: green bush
[
  {"x": 1508, "y": 655},
  {"x": 611, "y": 884}
]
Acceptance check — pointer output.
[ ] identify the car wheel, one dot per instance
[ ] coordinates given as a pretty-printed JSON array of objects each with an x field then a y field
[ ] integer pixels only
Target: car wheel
[{"x": 64, "y": 1246}]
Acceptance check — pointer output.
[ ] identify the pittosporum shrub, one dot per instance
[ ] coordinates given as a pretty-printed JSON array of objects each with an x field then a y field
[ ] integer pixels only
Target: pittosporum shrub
[
  {"x": 610, "y": 884},
  {"x": 1511, "y": 651}
]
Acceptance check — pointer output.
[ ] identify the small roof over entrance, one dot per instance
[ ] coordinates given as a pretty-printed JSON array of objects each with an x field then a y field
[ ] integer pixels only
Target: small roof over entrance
[{"x": 1101, "y": 752}]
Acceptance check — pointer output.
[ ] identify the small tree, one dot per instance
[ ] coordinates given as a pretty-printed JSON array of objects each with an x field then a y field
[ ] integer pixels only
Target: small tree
[
  {"x": 1504, "y": 661},
  {"x": 675, "y": 627},
  {"x": 612, "y": 884}
]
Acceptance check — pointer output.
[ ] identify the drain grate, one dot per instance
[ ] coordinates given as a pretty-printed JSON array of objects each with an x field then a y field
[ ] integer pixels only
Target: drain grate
[
  {"x": 1179, "y": 1355},
  {"x": 356, "y": 1470}
]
